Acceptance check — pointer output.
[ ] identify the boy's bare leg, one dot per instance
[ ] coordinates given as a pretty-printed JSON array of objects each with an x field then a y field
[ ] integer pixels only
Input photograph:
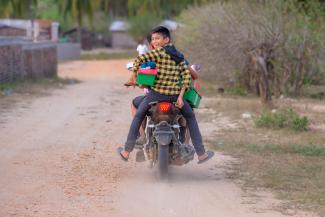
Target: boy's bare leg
[
  {"x": 187, "y": 136},
  {"x": 141, "y": 130},
  {"x": 133, "y": 110}
]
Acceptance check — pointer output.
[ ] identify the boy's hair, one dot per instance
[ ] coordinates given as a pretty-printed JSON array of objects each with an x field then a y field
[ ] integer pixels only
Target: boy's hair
[
  {"x": 162, "y": 31},
  {"x": 149, "y": 37}
]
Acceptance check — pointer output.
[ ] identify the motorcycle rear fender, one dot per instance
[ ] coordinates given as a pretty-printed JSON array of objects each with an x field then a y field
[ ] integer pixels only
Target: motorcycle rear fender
[
  {"x": 163, "y": 139},
  {"x": 163, "y": 133}
]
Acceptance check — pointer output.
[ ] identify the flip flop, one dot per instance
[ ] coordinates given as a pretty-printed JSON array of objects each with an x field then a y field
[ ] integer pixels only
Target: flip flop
[
  {"x": 210, "y": 155},
  {"x": 130, "y": 84},
  {"x": 119, "y": 151}
]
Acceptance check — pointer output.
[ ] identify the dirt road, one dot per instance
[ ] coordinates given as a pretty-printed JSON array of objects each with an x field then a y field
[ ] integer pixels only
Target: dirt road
[{"x": 57, "y": 158}]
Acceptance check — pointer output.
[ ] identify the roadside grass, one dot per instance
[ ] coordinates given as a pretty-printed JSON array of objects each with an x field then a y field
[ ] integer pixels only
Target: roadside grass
[
  {"x": 209, "y": 89},
  {"x": 290, "y": 163},
  {"x": 281, "y": 119},
  {"x": 314, "y": 91},
  {"x": 306, "y": 150},
  {"x": 109, "y": 56},
  {"x": 34, "y": 85},
  {"x": 239, "y": 91},
  {"x": 295, "y": 172}
]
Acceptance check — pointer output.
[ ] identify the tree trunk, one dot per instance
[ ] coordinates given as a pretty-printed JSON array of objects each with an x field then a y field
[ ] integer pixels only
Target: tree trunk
[
  {"x": 261, "y": 66},
  {"x": 79, "y": 39},
  {"x": 262, "y": 77}
]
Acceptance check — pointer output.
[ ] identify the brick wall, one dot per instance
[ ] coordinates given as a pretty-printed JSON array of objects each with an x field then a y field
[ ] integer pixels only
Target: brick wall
[{"x": 21, "y": 60}]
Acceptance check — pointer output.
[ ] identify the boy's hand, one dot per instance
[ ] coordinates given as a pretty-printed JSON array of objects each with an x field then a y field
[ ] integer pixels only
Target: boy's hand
[
  {"x": 179, "y": 102},
  {"x": 131, "y": 81}
]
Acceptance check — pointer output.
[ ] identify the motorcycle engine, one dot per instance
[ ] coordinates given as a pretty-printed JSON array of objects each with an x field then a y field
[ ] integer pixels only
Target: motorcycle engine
[{"x": 186, "y": 152}]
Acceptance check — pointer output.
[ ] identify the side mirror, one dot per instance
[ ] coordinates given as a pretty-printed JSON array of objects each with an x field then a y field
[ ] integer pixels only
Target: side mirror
[{"x": 196, "y": 67}]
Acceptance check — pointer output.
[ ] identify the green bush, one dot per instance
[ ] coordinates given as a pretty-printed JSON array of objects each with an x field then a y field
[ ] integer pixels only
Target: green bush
[
  {"x": 8, "y": 86},
  {"x": 300, "y": 123},
  {"x": 282, "y": 119}
]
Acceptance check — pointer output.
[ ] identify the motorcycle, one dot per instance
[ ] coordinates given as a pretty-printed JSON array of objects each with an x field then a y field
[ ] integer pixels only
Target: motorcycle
[{"x": 165, "y": 133}]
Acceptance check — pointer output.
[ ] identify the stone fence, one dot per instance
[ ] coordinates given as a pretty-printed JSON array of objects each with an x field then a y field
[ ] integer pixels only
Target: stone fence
[{"x": 23, "y": 59}]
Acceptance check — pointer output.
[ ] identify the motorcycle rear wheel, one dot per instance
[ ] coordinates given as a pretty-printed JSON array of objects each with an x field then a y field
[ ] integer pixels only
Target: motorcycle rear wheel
[{"x": 163, "y": 161}]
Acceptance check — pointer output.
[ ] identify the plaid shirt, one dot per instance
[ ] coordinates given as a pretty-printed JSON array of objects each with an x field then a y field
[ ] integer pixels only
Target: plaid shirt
[{"x": 169, "y": 74}]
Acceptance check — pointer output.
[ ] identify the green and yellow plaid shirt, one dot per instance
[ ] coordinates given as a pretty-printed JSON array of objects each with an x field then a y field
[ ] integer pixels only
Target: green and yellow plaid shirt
[{"x": 169, "y": 73}]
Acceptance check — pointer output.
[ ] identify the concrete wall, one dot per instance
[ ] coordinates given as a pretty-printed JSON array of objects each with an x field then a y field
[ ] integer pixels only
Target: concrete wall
[
  {"x": 40, "y": 30},
  {"x": 10, "y": 31},
  {"x": 122, "y": 40},
  {"x": 40, "y": 60},
  {"x": 20, "y": 60},
  {"x": 68, "y": 51}
]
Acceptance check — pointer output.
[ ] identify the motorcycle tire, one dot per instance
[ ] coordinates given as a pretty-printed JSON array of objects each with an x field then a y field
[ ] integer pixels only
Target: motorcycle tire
[{"x": 163, "y": 161}]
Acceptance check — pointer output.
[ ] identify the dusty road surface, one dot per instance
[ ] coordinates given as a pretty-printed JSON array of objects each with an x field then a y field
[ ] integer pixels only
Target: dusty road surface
[{"x": 58, "y": 158}]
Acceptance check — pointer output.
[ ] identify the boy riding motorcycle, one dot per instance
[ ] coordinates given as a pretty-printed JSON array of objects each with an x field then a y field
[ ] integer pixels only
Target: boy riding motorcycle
[{"x": 171, "y": 68}]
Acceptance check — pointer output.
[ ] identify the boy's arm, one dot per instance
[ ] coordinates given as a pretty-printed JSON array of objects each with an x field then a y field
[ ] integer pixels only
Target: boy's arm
[
  {"x": 151, "y": 56},
  {"x": 180, "y": 102},
  {"x": 186, "y": 79},
  {"x": 193, "y": 73},
  {"x": 185, "y": 75}
]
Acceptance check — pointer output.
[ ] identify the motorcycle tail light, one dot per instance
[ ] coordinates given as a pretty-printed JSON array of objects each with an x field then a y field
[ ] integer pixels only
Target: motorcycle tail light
[{"x": 165, "y": 106}]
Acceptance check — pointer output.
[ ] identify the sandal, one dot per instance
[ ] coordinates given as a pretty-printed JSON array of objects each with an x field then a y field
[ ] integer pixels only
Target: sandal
[
  {"x": 210, "y": 155},
  {"x": 119, "y": 151}
]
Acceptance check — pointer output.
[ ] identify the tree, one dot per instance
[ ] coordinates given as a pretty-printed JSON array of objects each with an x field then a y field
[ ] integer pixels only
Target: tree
[
  {"x": 115, "y": 8},
  {"x": 17, "y": 8},
  {"x": 269, "y": 47},
  {"x": 77, "y": 9},
  {"x": 146, "y": 14},
  {"x": 162, "y": 8}
]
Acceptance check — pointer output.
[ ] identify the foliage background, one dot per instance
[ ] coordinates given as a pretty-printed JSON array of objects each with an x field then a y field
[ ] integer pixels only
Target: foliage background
[{"x": 225, "y": 34}]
